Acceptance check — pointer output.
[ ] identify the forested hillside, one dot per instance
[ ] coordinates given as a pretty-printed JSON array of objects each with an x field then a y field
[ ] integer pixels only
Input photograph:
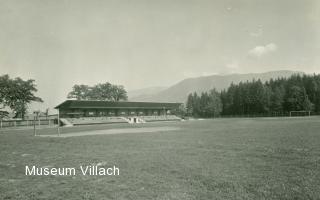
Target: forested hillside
[
  {"x": 274, "y": 97},
  {"x": 179, "y": 92}
]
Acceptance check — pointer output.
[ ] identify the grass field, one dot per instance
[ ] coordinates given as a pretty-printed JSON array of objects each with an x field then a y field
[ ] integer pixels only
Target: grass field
[{"x": 262, "y": 158}]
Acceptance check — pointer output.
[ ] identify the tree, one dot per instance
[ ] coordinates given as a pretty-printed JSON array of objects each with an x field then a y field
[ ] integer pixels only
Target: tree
[
  {"x": 17, "y": 94},
  {"x": 5, "y": 86},
  {"x": 23, "y": 94},
  {"x": 297, "y": 99},
  {"x": 118, "y": 93},
  {"x": 254, "y": 97},
  {"x": 317, "y": 101},
  {"x": 214, "y": 106},
  {"x": 207, "y": 105},
  {"x": 307, "y": 105},
  {"x": 189, "y": 105},
  {"x": 267, "y": 99},
  {"x": 102, "y": 91},
  {"x": 277, "y": 99},
  {"x": 79, "y": 92},
  {"x": 204, "y": 101},
  {"x": 196, "y": 105}
]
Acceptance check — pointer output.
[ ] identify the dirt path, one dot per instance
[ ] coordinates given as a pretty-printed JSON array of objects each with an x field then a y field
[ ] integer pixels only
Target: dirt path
[{"x": 116, "y": 131}]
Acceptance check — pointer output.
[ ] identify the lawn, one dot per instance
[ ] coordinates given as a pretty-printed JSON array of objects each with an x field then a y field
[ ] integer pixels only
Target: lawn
[{"x": 261, "y": 158}]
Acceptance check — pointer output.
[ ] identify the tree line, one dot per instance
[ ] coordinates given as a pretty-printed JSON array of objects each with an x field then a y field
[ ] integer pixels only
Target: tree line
[
  {"x": 102, "y": 91},
  {"x": 208, "y": 104},
  {"x": 16, "y": 94},
  {"x": 282, "y": 95},
  {"x": 274, "y": 97}
]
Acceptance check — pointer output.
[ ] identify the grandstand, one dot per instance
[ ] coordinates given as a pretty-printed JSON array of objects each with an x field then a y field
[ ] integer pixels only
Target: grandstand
[{"x": 80, "y": 112}]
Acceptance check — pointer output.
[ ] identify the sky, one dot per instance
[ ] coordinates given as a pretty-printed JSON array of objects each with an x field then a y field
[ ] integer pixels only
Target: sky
[{"x": 146, "y": 43}]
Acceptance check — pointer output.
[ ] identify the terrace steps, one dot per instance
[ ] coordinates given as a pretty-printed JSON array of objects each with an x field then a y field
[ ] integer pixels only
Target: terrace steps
[{"x": 111, "y": 120}]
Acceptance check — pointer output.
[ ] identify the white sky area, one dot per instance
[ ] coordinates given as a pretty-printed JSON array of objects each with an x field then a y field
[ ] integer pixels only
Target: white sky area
[{"x": 145, "y": 43}]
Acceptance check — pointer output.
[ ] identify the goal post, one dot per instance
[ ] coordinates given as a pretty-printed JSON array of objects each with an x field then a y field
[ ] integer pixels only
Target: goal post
[{"x": 300, "y": 113}]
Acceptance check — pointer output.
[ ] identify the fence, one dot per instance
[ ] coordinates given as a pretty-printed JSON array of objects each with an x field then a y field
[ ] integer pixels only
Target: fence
[
  {"x": 27, "y": 123},
  {"x": 275, "y": 114}
]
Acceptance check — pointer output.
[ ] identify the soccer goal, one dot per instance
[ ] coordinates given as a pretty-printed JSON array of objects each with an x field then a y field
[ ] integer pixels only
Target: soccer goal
[{"x": 300, "y": 113}]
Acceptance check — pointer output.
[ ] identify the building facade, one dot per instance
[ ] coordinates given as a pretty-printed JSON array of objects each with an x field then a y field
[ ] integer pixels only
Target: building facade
[{"x": 80, "y": 108}]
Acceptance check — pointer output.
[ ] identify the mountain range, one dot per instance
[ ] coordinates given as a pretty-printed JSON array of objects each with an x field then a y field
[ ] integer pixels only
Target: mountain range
[{"x": 179, "y": 92}]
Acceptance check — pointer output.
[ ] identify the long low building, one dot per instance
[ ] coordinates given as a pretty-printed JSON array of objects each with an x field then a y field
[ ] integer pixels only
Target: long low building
[{"x": 83, "y": 108}]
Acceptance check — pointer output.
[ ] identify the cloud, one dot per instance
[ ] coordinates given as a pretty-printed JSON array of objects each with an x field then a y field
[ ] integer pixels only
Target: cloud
[{"x": 259, "y": 51}]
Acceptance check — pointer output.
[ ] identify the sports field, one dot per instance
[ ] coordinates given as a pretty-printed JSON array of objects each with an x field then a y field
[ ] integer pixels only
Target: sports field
[{"x": 261, "y": 158}]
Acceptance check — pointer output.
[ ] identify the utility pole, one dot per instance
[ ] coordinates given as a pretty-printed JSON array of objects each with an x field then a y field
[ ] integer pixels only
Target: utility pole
[{"x": 35, "y": 117}]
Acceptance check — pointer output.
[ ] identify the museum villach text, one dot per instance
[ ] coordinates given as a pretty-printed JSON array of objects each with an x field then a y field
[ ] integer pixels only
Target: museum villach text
[{"x": 89, "y": 170}]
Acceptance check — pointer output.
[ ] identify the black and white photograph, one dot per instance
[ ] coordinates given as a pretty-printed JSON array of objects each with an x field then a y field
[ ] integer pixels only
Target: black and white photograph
[{"x": 159, "y": 99}]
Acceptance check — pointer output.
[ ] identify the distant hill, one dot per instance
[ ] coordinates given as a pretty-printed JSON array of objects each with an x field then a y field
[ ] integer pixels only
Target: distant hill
[
  {"x": 180, "y": 91},
  {"x": 144, "y": 93}
]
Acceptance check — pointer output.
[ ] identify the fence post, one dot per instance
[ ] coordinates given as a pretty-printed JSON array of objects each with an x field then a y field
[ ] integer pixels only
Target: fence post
[{"x": 34, "y": 126}]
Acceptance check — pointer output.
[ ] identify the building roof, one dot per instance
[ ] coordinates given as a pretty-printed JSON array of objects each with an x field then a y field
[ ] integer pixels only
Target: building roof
[{"x": 110, "y": 104}]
